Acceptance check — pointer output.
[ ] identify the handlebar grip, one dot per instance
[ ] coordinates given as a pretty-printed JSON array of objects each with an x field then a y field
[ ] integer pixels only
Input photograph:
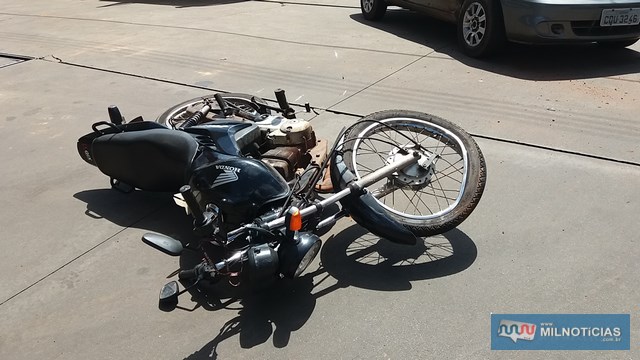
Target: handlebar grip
[
  {"x": 193, "y": 204},
  {"x": 282, "y": 99},
  {"x": 221, "y": 103},
  {"x": 114, "y": 115},
  {"x": 188, "y": 274}
]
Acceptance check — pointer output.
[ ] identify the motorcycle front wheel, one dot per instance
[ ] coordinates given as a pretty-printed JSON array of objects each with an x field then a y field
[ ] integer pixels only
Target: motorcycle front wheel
[
  {"x": 177, "y": 114},
  {"x": 432, "y": 196}
]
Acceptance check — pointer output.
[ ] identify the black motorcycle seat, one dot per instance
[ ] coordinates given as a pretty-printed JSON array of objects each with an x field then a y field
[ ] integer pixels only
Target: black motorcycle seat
[{"x": 154, "y": 159}]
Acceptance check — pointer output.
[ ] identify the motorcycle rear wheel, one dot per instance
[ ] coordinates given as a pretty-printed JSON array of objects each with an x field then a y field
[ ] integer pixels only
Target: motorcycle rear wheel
[
  {"x": 426, "y": 200},
  {"x": 176, "y": 115}
]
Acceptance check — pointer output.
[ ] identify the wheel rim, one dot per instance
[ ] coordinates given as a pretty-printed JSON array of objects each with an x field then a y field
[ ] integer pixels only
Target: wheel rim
[
  {"x": 474, "y": 24},
  {"x": 367, "y": 5},
  {"x": 408, "y": 194}
]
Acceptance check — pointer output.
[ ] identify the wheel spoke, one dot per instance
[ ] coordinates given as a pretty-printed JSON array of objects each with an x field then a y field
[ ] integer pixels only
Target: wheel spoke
[
  {"x": 413, "y": 192},
  {"x": 476, "y": 10}
]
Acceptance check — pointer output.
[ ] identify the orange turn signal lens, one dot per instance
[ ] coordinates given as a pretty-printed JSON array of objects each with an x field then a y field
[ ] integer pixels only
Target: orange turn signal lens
[{"x": 295, "y": 222}]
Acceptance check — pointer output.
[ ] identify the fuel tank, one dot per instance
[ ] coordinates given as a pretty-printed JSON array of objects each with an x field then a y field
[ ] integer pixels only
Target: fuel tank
[{"x": 242, "y": 188}]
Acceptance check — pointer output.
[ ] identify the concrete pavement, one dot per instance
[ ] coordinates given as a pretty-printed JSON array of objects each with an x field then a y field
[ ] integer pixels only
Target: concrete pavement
[{"x": 554, "y": 233}]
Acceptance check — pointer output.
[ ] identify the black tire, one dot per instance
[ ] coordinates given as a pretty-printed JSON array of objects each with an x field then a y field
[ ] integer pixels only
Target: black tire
[
  {"x": 173, "y": 116},
  {"x": 373, "y": 9},
  {"x": 481, "y": 28},
  {"x": 617, "y": 44},
  {"x": 361, "y": 146}
]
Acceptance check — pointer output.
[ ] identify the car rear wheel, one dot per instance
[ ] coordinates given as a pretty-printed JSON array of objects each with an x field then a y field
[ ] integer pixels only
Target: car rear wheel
[
  {"x": 373, "y": 9},
  {"x": 481, "y": 27},
  {"x": 618, "y": 44}
]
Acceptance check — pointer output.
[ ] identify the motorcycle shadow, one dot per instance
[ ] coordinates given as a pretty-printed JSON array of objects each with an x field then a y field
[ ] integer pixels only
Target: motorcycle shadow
[
  {"x": 155, "y": 212},
  {"x": 275, "y": 309},
  {"x": 353, "y": 257},
  {"x": 358, "y": 258},
  {"x": 274, "y": 312}
]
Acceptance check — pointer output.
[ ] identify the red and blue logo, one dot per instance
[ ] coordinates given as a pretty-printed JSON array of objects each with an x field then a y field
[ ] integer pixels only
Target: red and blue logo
[
  {"x": 560, "y": 332},
  {"x": 516, "y": 330}
]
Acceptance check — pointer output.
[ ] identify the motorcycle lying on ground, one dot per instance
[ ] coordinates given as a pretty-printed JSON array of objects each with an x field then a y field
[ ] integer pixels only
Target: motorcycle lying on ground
[{"x": 261, "y": 187}]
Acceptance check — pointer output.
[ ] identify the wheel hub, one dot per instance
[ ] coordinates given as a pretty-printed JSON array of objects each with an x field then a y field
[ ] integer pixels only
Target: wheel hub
[
  {"x": 418, "y": 174},
  {"x": 368, "y": 5},
  {"x": 474, "y": 24}
]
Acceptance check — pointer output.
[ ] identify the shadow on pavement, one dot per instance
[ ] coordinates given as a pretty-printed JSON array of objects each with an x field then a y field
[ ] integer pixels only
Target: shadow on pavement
[
  {"x": 275, "y": 309},
  {"x": 540, "y": 63},
  {"x": 358, "y": 258},
  {"x": 140, "y": 210},
  {"x": 272, "y": 313},
  {"x": 176, "y": 3},
  {"x": 354, "y": 257}
]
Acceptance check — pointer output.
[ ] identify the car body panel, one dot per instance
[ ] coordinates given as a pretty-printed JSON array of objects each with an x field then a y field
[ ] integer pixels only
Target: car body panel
[
  {"x": 439, "y": 9},
  {"x": 531, "y": 21}
]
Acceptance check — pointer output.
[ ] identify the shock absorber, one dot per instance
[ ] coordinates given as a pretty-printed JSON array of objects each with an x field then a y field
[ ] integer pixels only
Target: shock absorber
[{"x": 197, "y": 117}]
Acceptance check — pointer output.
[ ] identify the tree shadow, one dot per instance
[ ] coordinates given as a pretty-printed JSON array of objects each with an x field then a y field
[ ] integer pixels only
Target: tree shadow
[
  {"x": 527, "y": 62},
  {"x": 175, "y": 3}
]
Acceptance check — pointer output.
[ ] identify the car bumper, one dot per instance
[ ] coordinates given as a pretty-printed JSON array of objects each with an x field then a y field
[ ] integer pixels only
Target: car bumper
[{"x": 553, "y": 21}]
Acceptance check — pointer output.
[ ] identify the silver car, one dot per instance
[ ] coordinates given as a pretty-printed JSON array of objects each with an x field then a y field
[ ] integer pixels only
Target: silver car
[{"x": 485, "y": 25}]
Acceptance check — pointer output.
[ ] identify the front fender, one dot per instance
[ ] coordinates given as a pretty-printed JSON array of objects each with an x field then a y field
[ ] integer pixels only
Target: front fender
[{"x": 365, "y": 210}]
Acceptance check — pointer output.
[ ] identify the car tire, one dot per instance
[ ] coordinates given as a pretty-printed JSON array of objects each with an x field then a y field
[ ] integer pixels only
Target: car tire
[
  {"x": 481, "y": 27},
  {"x": 617, "y": 44},
  {"x": 373, "y": 9}
]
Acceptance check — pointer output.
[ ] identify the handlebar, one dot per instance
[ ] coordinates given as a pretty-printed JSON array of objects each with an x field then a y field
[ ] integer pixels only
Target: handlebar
[
  {"x": 353, "y": 187},
  {"x": 189, "y": 274},
  {"x": 199, "y": 271},
  {"x": 227, "y": 107}
]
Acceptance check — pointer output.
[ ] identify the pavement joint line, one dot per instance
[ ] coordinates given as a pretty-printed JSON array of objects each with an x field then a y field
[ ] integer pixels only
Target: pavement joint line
[
  {"x": 16, "y": 57},
  {"x": 563, "y": 151},
  {"x": 81, "y": 255},
  {"x": 382, "y": 78},
  {"x": 218, "y": 32},
  {"x": 167, "y": 81},
  {"x": 338, "y": 112}
]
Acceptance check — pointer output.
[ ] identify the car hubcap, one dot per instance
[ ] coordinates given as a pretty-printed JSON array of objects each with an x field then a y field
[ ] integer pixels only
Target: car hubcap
[
  {"x": 367, "y": 5},
  {"x": 474, "y": 24}
]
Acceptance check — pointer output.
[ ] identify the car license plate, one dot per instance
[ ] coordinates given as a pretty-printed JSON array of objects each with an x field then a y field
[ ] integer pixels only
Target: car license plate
[{"x": 620, "y": 17}]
